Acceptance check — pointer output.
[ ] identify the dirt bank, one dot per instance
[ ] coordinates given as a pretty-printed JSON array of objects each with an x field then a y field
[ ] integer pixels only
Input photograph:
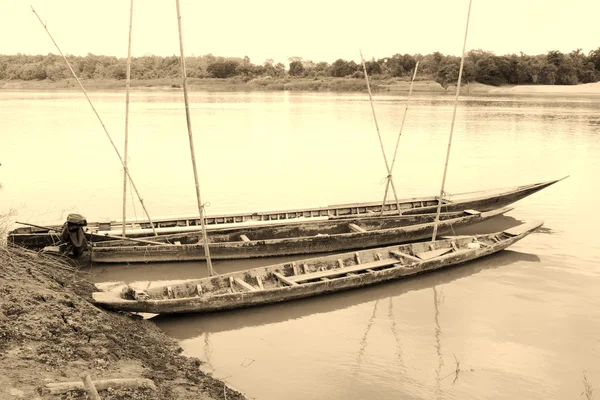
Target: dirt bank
[{"x": 50, "y": 332}]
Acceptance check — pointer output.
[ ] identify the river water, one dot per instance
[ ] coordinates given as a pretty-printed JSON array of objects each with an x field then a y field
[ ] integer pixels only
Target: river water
[{"x": 524, "y": 323}]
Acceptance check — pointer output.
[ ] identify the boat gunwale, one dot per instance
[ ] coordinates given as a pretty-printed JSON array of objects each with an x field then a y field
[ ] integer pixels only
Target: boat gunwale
[{"x": 479, "y": 196}]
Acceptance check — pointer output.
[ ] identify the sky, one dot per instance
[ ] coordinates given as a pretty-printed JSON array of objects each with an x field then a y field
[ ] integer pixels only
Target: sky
[{"x": 316, "y": 30}]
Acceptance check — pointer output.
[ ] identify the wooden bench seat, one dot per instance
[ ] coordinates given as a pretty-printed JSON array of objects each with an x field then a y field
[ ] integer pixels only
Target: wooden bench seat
[
  {"x": 427, "y": 255},
  {"x": 245, "y": 285},
  {"x": 401, "y": 255},
  {"x": 341, "y": 271},
  {"x": 356, "y": 228}
]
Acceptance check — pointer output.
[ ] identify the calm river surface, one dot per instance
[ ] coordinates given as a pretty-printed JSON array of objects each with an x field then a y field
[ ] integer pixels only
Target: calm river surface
[{"x": 522, "y": 324}]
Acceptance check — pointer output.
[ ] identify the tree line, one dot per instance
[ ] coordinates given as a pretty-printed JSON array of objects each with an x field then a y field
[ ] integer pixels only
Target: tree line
[{"x": 553, "y": 68}]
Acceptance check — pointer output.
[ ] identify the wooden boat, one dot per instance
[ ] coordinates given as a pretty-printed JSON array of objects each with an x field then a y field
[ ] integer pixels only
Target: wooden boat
[
  {"x": 311, "y": 277},
  {"x": 182, "y": 327},
  {"x": 303, "y": 238},
  {"x": 36, "y": 238}
]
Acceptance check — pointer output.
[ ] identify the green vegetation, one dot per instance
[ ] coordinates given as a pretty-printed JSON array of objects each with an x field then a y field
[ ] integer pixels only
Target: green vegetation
[{"x": 554, "y": 68}]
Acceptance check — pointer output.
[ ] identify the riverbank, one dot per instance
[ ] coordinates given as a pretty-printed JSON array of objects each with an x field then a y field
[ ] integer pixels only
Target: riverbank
[
  {"x": 51, "y": 332},
  {"x": 393, "y": 85},
  {"x": 230, "y": 85}
]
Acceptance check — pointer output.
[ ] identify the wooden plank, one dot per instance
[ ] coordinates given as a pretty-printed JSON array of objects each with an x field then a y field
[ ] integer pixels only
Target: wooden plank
[
  {"x": 400, "y": 254},
  {"x": 130, "y": 383},
  {"x": 259, "y": 281},
  {"x": 244, "y": 238},
  {"x": 519, "y": 229},
  {"x": 356, "y": 228},
  {"x": 89, "y": 387},
  {"x": 472, "y": 212},
  {"x": 245, "y": 285},
  {"x": 343, "y": 271},
  {"x": 427, "y": 255},
  {"x": 285, "y": 280}
]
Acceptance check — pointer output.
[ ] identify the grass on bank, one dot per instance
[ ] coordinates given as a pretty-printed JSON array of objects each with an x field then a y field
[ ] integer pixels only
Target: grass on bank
[{"x": 236, "y": 84}]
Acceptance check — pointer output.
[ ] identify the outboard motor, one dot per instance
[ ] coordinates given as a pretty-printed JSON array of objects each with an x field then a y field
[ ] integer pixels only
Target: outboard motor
[{"x": 71, "y": 235}]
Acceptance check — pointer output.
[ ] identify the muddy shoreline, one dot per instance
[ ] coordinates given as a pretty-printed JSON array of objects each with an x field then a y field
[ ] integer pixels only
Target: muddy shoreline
[{"x": 51, "y": 332}]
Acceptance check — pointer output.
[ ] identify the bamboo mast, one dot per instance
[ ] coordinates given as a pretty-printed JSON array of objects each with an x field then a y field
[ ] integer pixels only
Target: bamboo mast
[
  {"x": 127, "y": 85},
  {"x": 99, "y": 119},
  {"x": 211, "y": 271},
  {"x": 387, "y": 166},
  {"x": 462, "y": 61},
  {"x": 387, "y": 185}
]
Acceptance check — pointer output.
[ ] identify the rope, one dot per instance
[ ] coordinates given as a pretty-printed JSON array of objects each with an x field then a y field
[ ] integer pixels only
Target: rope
[
  {"x": 98, "y": 116},
  {"x": 385, "y": 179}
]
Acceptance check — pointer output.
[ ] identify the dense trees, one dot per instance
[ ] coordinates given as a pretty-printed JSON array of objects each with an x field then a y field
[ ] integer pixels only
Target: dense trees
[{"x": 554, "y": 68}]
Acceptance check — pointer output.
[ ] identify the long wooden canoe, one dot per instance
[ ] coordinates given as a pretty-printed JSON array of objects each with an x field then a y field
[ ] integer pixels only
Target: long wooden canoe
[
  {"x": 37, "y": 238},
  {"x": 304, "y": 238},
  {"x": 310, "y": 277}
]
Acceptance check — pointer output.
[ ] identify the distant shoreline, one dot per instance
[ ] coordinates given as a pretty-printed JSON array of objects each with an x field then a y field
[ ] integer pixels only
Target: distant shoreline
[{"x": 391, "y": 86}]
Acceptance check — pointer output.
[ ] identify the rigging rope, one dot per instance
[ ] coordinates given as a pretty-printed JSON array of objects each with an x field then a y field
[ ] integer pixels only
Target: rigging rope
[{"x": 99, "y": 119}]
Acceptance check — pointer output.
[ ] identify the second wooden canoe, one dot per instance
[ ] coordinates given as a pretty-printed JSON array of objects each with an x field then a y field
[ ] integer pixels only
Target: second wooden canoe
[{"x": 303, "y": 238}]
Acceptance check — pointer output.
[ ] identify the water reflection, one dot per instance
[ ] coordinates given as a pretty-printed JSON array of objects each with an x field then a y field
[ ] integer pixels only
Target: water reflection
[
  {"x": 189, "y": 326},
  {"x": 395, "y": 333},
  {"x": 363, "y": 341},
  {"x": 208, "y": 351},
  {"x": 437, "y": 299}
]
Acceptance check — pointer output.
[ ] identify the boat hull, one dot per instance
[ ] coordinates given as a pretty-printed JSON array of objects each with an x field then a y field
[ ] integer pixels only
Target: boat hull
[
  {"x": 483, "y": 203},
  {"x": 285, "y": 246},
  {"x": 243, "y": 299},
  {"x": 35, "y": 238}
]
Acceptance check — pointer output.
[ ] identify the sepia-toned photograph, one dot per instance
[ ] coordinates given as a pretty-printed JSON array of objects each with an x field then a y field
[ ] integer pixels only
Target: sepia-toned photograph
[{"x": 313, "y": 200}]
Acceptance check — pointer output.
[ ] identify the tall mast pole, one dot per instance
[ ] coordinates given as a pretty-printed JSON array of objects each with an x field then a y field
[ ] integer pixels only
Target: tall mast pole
[
  {"x": 211, "y": 271},
  {"x": 127, "y": 85},
  {"x": 462, "y": 61},
  {"x": 387, "y": 185},
  {"x": 387, "y": 165}
]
